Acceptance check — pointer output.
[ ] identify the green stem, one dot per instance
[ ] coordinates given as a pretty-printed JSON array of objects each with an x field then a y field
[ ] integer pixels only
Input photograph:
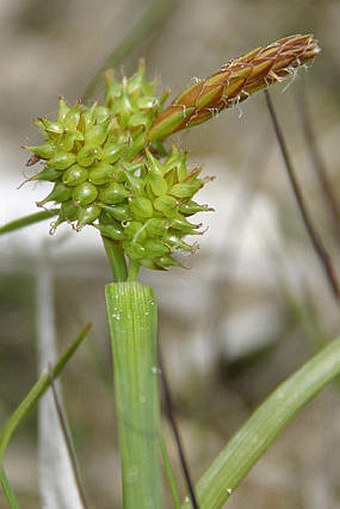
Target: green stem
[
  {"x": 116, "y": 258},
  {"x": 22, "y": 222},
  {"x": 133, "y": 270},
  {"x": 263, "y": 427},
  {"x": 159, "y": 9},
  {"x": 8, "y": 492},
  {"x": 170, "y": 475},
  {"x": 35, "y": 394},
  {"x": 132, "y": 313}
]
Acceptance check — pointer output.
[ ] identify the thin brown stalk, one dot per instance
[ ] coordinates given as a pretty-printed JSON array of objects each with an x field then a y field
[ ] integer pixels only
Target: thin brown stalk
[
  {"x": 317, "y": 160},
  {"x": 68, "y": 441},
  {"x": 317, "y": 243},
  {"x": 172, "y": 420}
]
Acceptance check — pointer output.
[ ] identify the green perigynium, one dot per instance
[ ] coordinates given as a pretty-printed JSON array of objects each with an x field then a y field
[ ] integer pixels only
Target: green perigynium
[
  {"x": 107, "y": 174},
  {"x": 111, "y": 170}
]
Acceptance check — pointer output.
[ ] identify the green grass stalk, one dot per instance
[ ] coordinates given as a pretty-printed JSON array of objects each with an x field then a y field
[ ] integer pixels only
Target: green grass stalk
[
  {"x": 8, "y": 492},
  {"x": 170, "y": 475},
  {"x": 32, "y": 398},
  {"x": 132, "y": 313},
  {"x": 157, "y": 11},
  {"x": 116, "y": 259},
  {"x": 263, "y": 427},
  {"x": 22, "y": 222}
]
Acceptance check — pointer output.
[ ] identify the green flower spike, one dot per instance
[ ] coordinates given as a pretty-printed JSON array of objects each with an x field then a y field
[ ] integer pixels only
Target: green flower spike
[{"x": 106, "y": 174}]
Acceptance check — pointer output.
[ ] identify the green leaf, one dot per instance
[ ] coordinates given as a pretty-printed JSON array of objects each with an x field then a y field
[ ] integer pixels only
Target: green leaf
[
  {"x": 132, "y": 313},
  {"x": 8, "y": 492},
  {"x": 170, "y": 475},
  {"x": 158, "y": 10},
  {"x": 263, "y": 427},
  {"x": 29, "y": 402},
  {"x": 28, "y": 220}
]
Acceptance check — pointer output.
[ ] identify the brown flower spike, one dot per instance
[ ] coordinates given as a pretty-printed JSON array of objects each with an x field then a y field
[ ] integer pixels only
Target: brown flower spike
[{"x": 234, "y": 82}]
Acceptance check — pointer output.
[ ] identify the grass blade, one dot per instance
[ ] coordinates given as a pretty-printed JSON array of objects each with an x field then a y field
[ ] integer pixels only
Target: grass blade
[
  {"x": 158, "y": 10},
  {"x": 132, "y": 313},
  {"x": 8, "y": 492},
  {"x": 40, "y": 387},
  {"x": 263, "y": 427},
  {"x": 170, "y": 475},
  {"x": 28, "y": 220}
]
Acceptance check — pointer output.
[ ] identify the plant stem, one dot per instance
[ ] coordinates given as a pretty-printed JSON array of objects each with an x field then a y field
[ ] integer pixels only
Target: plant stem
[
  {"x": 263, "y": 427},
  {"x": 40, "y": 387},
  {"x": 170, "y": 475},
  {"x": 69, "y": 443},
  {"x": 116, "y": 258},
  {"x": 316, "y": 241},
  {"x": 8, "y": 492},
  {"x": 132, "y": 313},
  {"x": 175, "y": 430},
  {"x": 133, "y": 270},
  {"x": 22, "y": 222},
  {"x": 159, "y": 9},
  {"x": 317, "y": 160}
]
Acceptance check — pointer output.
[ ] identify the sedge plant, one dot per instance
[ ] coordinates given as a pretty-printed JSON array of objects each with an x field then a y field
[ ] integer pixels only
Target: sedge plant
[{"x": 113, "y": 169}]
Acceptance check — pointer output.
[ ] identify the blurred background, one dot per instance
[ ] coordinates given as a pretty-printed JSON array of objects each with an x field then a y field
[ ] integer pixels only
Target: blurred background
[{"x": 254, "y": 302}]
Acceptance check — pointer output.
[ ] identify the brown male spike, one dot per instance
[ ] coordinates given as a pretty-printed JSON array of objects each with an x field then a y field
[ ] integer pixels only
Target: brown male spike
[{"x": 234, "y": 82}]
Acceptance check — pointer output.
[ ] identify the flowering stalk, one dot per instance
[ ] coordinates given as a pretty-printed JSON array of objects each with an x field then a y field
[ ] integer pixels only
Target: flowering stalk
[
  {"x": 132, "y": 313},
  {"x": 234, "y": 82},
  {"x": 139, "y": 196},
  {"x": 110, "y": 170}
]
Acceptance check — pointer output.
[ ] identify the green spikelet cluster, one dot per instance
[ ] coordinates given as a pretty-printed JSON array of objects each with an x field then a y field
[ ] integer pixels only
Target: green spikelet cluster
[{"x": 107, "y": 174}]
